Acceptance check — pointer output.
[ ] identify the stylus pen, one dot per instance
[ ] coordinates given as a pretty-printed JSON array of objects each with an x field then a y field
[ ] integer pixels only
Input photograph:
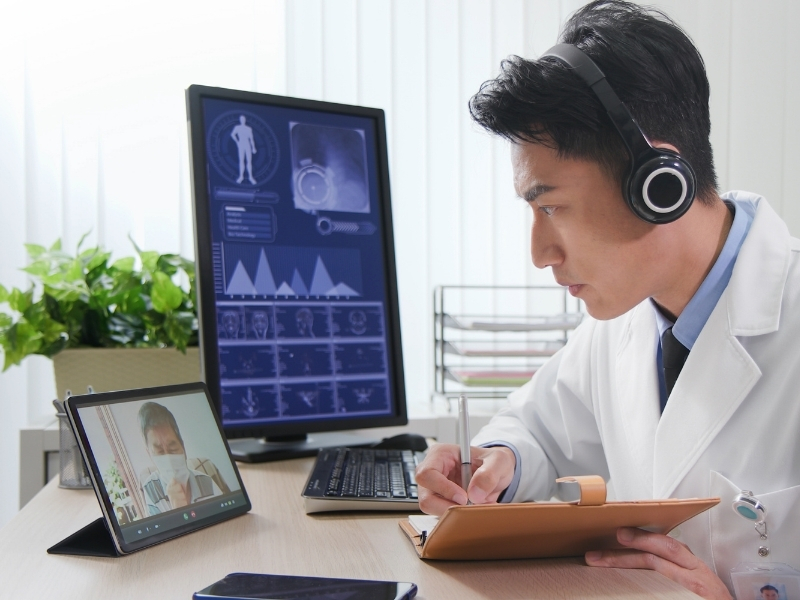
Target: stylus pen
[{"x": 463, "y": 439}]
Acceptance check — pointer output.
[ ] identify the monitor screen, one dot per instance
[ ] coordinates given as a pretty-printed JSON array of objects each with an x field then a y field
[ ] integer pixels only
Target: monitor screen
[{"x": 296, "y": 274}]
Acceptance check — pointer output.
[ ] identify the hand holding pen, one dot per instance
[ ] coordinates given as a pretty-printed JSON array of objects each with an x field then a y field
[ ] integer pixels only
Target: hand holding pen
[{"x": 449, "y": 470}]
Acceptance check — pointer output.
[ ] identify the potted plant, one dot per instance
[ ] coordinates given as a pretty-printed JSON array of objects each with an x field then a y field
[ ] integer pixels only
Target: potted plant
[{"x": 111, "y": 325}]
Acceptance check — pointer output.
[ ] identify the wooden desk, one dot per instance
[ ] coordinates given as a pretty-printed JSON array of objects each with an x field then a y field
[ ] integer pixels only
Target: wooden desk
[{"x": 278, "y": 537}]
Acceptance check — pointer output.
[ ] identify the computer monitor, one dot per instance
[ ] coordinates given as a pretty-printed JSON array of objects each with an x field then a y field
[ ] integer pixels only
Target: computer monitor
[{"x": 296, "y": 278}]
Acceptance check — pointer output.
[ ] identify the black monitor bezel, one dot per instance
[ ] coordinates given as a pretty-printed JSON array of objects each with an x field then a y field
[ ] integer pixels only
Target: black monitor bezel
[
  {"x": 209, "y": 355},
  {"x": 71, "y": 406}
]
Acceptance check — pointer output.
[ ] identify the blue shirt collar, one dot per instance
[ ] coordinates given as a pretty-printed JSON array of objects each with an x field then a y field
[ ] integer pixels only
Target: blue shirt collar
[{"x": 693, "y": 318}]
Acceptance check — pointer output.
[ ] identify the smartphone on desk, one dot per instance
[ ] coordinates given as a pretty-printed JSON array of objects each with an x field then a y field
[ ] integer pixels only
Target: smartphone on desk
[{"x": 252, "y": 586}]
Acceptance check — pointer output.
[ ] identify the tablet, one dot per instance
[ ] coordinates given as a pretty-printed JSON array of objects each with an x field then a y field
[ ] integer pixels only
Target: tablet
[{"x": 158, "y": 461}]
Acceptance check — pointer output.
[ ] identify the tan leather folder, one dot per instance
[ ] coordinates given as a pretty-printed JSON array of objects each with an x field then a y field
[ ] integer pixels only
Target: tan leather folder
[{"x": 546, "y": 530}]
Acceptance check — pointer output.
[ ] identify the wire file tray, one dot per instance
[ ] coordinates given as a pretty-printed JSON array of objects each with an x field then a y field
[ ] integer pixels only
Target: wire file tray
[{"x": 490, "y": 340}]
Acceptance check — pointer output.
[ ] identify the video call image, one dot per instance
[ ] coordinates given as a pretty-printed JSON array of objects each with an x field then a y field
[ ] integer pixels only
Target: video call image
[{"x": 159, "y": 455}]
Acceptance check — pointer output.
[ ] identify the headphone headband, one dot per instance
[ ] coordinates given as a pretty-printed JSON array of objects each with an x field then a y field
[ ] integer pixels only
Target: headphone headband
[
  {"x": 634, "y": 138},
  {"x": 660, "y": 186}
]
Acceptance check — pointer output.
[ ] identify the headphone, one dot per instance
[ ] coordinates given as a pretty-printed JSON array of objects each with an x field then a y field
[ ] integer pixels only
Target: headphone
[{"x": 660, "y": 185}]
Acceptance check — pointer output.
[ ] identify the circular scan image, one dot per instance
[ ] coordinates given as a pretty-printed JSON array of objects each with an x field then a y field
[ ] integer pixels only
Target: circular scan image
[{"x": 313, "y": 184}]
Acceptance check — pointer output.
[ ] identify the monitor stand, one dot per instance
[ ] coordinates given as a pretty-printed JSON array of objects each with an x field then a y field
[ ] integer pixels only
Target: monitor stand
[{"x": 254, "y": 450}]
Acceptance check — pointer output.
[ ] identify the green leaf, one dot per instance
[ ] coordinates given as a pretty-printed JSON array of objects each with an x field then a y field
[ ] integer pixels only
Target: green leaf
[
  {"x": 164, "y": 294},
  {"x": 149, "y": 260},
  {"x": 56, "y": 246},
  {"x": 20, "y": 340},
  {"x": 35, "y": 251},
  {"x": 3, "y": 294},
  {"x": 75, "y": 271},
  {"x": 125, "y": 329},
  {"x": 97, "y": 260},
  {"x": 124, "y": 264},
  {"x": 19, "y": 300},
  {"x": 180, "y": 327},
  {"x": 80, "y": 241},
  {"x": 52, "y": 279},
  {"x": 39, "y": 268}
]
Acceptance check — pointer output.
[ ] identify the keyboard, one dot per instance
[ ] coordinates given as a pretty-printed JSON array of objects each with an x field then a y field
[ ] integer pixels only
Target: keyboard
[{"x": 363, "y": 479}]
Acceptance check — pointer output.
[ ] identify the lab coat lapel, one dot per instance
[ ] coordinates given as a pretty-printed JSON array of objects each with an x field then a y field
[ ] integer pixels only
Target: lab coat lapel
[
  {"x": 719, "y": 372},
  {"x": 715, "y": 379},
  {"x": 637, "y": 393}
]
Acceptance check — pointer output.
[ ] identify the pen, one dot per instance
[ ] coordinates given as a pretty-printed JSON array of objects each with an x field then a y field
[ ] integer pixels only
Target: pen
[{"x": 463, "y": 439}]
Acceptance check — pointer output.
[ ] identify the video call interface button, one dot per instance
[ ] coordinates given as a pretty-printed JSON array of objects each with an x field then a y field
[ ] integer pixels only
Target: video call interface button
[{"x": 177, "y": 518}]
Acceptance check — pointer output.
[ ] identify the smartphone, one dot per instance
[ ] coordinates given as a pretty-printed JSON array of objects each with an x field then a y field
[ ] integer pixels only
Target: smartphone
[{"x": 251, "y": 586}]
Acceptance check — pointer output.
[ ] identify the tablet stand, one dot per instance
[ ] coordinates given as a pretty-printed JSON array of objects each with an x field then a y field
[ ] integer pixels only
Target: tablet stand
[{"x": 92, "y": 540}]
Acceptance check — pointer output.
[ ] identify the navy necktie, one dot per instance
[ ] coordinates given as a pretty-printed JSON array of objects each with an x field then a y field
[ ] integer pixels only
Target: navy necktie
[{"x": 673, "y": 356}]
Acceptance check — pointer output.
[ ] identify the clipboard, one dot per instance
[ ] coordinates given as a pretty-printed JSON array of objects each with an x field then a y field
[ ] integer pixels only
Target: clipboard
[{"x": 548, "y": 529}]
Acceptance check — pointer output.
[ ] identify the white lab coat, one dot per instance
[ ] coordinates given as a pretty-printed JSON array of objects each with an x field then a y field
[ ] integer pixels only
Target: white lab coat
[{"x": 732, "y": 421}]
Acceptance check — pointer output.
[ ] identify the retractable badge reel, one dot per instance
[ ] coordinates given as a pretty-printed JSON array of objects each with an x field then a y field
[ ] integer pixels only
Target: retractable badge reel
[
  {"x": 749, "y": 507},
  {"x": 761, "y": 579}
]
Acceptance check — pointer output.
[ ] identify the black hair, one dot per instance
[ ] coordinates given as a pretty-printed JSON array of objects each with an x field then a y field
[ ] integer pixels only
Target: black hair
[
  {"x": 769, "y": 587},
  {"x": 152, "y": 414},
  {"x": 648, "y": 60}
]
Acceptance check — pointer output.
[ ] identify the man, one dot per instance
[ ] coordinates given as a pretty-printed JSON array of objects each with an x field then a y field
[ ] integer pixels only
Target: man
[
  {"x": 769, "y": 592},
  {"x": 174, "y": 485},
  {"x": 725, "y": 275}
]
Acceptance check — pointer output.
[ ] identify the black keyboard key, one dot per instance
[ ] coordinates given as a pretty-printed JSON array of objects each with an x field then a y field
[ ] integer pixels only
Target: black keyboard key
[
  {"x": 366, "y": 479},
  {"x": 381, "y": 478}
]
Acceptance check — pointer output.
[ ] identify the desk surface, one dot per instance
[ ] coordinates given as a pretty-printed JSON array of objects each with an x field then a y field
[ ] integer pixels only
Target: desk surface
[{"x": 278, "y": 537}]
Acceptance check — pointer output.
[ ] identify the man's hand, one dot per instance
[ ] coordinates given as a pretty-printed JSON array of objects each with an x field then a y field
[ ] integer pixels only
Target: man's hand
[
  {"x": 177, "y": 494},
  {"x": 439, "y": 476},
  {"x": 665, "y": 555}
]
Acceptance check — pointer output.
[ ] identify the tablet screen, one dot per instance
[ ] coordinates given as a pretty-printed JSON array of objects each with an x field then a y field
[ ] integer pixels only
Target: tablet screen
[{"x": 160, "y": 463}]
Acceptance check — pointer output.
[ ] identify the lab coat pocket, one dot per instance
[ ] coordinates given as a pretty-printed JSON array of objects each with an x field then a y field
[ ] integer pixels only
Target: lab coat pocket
[{"x": 734, "y": 539}]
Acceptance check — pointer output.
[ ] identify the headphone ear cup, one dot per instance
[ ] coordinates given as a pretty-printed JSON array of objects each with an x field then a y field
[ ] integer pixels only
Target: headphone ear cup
[{"x": 661, "y": 188}]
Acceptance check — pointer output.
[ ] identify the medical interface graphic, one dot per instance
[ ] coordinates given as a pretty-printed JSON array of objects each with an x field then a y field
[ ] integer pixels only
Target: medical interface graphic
[{"x": 298, "y": 263}]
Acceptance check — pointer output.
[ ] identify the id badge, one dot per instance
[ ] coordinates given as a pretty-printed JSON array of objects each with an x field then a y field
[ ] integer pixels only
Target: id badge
[{"x": 765, "y": 581}]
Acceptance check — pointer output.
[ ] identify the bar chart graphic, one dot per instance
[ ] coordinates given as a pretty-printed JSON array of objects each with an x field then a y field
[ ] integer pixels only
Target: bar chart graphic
[{"x": 257, "y": 271}]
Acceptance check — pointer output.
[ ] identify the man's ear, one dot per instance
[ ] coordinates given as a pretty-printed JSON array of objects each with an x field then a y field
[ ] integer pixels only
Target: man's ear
[{"x": 665, "y": 146}]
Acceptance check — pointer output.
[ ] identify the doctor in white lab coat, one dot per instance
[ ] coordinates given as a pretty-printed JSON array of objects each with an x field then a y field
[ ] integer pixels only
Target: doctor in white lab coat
[{"x": 732, "y": 420}]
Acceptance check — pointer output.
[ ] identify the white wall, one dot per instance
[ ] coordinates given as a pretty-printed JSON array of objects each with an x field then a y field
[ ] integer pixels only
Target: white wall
[{"x": 89, "y": 69}]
